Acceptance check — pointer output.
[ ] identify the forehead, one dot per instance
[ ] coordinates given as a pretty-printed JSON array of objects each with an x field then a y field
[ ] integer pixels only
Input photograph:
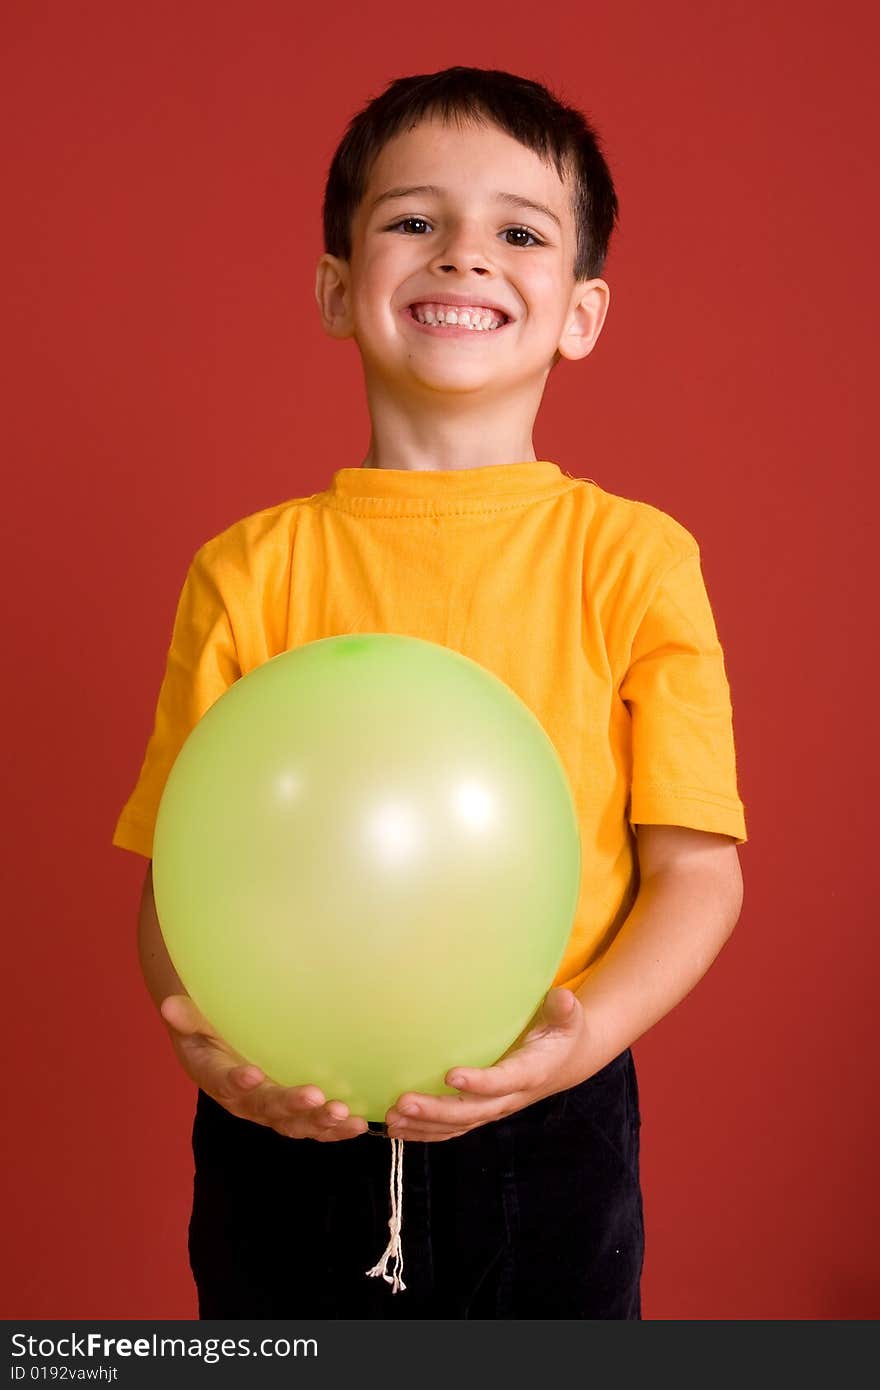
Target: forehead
[{"x": 479, "y": 160}]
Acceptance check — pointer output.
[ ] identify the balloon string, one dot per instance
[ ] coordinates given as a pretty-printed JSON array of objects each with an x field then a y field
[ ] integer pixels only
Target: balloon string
[{"x": 393, "y": 1253}]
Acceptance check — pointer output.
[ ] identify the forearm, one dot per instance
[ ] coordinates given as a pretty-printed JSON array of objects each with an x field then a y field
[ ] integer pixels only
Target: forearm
[
  {"x": 679, "y": 922},
  {"x": 159, "y": 974}
]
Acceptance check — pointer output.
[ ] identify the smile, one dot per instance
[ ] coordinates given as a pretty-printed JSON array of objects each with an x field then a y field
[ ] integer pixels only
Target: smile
[{"x": 455, "y": 322}]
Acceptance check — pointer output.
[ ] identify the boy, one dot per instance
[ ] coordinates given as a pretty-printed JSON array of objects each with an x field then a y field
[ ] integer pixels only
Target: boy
[{"x": 479, "y": 199}]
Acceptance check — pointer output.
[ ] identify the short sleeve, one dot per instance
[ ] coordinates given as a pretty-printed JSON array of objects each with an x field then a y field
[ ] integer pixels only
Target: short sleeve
[
  {"x": 677, "y": 693},
  {"x": 202, "y": 663}
]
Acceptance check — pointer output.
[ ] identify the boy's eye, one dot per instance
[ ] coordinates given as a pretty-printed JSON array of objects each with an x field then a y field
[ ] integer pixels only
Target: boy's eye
[
  {"x": 407, "y": 220},
  {"x": 525, "y": 232},
  {"x": 424, "y": 223}
]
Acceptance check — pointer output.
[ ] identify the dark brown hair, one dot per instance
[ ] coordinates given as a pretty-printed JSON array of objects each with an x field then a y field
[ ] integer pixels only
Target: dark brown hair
[{"x": 524, "y": 109}]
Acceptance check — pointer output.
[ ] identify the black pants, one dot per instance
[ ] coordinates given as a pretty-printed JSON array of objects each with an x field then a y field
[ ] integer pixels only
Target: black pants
[{"x": 535, "y": 1216}]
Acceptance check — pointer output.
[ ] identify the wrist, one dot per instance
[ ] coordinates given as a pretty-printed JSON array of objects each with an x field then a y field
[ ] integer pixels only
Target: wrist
[{"x": 599, "y": 1043}]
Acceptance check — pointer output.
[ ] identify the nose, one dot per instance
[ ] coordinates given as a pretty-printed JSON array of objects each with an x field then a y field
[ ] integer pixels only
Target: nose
[
  {"x": 478, "y": 269},
  {"x": 462, "y": 249}
]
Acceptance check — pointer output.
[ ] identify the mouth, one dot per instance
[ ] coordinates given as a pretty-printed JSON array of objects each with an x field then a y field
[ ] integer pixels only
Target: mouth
[{"x": 478, "y": 321}]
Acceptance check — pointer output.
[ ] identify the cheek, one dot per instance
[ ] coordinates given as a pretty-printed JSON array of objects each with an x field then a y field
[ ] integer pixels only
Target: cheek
[
  {"x": 378, "y": 283},
  {"x": 386, "y": 262},
  {"x": 554, "y": 308},
  {"x": 542, "y": 287}
]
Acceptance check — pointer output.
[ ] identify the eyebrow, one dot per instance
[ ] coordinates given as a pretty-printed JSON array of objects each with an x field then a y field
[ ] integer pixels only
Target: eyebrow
[{"x": 514, "y": 200}]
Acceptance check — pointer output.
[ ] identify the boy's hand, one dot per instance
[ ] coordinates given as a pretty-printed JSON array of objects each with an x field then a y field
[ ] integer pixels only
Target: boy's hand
[
  {"x": 297, "y": 1112},
  {"x": 545, "y": 1059}
]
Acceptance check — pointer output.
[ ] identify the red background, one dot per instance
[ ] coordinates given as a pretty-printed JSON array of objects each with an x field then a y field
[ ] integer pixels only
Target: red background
[{"x": 168, "y": 374}]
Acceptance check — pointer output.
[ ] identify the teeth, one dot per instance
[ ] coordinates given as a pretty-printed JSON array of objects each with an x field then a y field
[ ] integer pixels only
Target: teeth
[{"x": 473, "y": 318}]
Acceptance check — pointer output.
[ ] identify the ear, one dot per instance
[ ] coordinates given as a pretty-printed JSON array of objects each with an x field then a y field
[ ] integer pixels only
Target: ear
[
  {"x": 331, "y": 293},
  {"x": 585, "y": 319}
]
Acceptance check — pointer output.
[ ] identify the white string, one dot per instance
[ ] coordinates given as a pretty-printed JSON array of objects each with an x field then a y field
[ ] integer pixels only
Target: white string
[{"x": 393, "y": 1253}]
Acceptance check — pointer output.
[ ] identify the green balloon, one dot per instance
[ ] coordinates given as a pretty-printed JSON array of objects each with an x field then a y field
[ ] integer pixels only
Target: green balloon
[{"x": 366, "y": 865}]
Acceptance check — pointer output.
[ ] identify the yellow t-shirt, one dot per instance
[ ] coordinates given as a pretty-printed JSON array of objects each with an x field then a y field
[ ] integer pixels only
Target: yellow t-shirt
[{"x": 591, "y": 607}]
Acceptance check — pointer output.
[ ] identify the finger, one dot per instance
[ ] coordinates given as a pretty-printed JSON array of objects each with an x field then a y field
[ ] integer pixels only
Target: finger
[
  {"x": 247, "y": 1076},
  {"x": 329, "y": 1122},
  {"x": 346, "y": 1129},
  {"x": 329, "y": 1115},
  {"x": 560, "y": 1012},
  {"x": 266, "y": 1102},
  {"x": 517, "y": 1072},
  {"x": 181, "y": 1013},
  {"x": 559, "y": 1008},
  {"x": 430, "y": 1136},
  {"x": 275, "y": 1105},
  {"x": 559, "y": 1020},
  {"x": 302, "y": 1098},
  {"x": 419, "y": 1116}
]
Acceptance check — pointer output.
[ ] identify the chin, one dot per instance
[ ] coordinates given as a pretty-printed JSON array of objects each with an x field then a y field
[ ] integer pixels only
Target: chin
[{"x": 460, "y": 382}]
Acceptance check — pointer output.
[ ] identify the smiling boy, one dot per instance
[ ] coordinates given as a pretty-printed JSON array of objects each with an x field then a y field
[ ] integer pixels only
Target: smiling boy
[
  {"x": 467, "y": 217},
  {"x": 442, "y": 397}
]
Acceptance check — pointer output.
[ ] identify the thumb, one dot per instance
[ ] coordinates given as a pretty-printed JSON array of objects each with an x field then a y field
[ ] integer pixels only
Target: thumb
[
  {"x": 559, "y": 1008},
  {"x": 181, "y": 1014}
]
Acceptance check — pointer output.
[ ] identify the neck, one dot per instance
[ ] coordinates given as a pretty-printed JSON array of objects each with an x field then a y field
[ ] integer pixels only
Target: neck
[{"x": 448, "y": 432}]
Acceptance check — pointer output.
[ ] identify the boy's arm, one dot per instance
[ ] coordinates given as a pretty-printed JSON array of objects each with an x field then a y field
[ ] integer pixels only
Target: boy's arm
[
  {"x": 689, "y": 900},
  {"x": 159, "y": 974},
  {"x": 298, "y": 1112}
]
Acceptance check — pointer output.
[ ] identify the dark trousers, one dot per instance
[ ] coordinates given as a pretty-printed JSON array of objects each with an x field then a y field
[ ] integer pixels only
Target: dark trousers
[{"x": 535, "y": 1216}]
